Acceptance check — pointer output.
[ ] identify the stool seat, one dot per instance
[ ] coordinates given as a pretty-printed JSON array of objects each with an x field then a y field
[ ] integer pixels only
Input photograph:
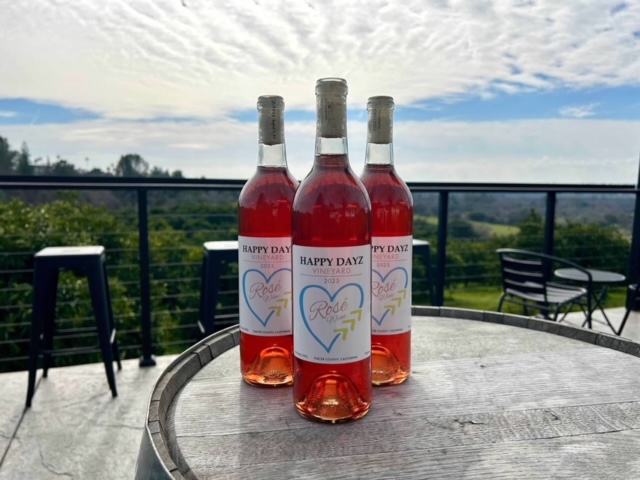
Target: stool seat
[
  {"x": 70, "y": 251},
  {"x": 86, "y": 260},
  {"x": 226, "y": 245}
]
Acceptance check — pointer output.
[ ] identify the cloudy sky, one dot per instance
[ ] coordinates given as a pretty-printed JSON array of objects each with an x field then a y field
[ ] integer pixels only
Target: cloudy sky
[{"x": 486, "y": 90}]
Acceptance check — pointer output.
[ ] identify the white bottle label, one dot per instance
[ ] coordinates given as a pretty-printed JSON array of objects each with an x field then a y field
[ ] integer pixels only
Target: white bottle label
[
  {"x": 391, "y": 284},
  {"x": 265, "y": 285},
  {"x": 332, "y": 304}
]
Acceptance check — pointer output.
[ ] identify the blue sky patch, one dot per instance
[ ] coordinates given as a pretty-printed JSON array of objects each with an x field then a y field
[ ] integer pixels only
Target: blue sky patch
[
  {"x": 28, "y": 112},
  {"x": 189, "y": 120},
  {"x": 619, "y": 8},
  {"x": 619, "y": 103}
]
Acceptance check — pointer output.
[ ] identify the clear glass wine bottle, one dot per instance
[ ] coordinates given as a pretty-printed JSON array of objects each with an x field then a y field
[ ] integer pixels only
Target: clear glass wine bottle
[
  {"x": 332, "y": 274},
  {"x": 264, "y": 254},
  {"x": 392, "y": 241}
]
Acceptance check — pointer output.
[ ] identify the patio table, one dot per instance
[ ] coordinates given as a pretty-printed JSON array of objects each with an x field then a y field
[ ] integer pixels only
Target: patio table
[
  {"x": 490, "y": 395},
  {"x": 599, "y": 278}
]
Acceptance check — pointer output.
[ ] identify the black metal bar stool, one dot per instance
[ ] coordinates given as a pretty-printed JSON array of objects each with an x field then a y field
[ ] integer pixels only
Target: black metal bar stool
[
  {"x": 89, "y": 261},
  {"x": 216, "y": 255}
]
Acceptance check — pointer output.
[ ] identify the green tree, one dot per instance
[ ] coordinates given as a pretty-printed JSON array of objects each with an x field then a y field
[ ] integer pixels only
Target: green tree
[
  {"x": 131, "y": 165},
  {"x": 531, "y": 234},
  {"x": 23, "y": 162},
  {"x": 423, "y": 228},
  {"x": 26, "y": 229},
  {"x": 460, "y": 228},
  {"x": 157, "y": 172},
  {"x": 593, "y": 246},
  {"x": 7, "y": 157},
  {"x": 63, "y": 168}
]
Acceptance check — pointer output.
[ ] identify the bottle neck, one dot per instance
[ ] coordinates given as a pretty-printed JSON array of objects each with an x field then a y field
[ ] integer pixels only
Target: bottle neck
[
  {"x": 271, "y": 149},
  {"x": 380, "y": 131},
  {"x": 331, "y": 146},
  {"x": 379, "y": 154},
  {"x": 331, "y": 127},
  {"x": 272, "y": 155}
]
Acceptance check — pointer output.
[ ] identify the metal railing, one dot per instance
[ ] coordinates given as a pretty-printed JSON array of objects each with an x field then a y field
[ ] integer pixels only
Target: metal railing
[{"x": 143, "y": 187}]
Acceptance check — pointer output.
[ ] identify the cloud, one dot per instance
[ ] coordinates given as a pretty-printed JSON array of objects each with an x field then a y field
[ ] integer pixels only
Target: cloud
[
  {"x": 525, "y": 151},
  {"x": 5, "y": 114},
  {"x": 157, "y": 58},
  {"x": 190, "y": 146},
  {"x": 578, "y": 111}
]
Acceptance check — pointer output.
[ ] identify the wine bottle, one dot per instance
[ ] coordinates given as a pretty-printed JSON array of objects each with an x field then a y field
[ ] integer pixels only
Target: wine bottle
[
  {"x": 264, "y": 256},
  {"x": 332, "y": 274},
  {"x": 392, "y": 240}
]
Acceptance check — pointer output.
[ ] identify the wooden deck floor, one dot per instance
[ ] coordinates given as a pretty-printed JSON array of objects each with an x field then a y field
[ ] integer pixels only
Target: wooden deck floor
[{"x": 76, "y": 430}]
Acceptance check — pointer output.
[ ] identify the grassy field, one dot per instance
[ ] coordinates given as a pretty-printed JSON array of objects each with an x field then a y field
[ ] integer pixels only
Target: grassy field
[
  {"x": 491, "y": 228},
  {"x": 487, "y": 298},
  {"x": 432, "y": 219},
  {"x": 494, "y": 228}
]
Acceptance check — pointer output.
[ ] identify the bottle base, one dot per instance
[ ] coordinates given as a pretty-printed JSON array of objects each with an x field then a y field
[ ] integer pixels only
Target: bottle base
[
  {"x": 332, "y": 398},
  {"x": 272, "y": 368},
  {"x": 386, "y": 368}
]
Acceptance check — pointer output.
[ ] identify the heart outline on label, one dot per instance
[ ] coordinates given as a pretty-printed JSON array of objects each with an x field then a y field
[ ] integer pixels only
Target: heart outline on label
[
  {"x": 383, "y": 279},
  {"x": 331, "y": 298},
  {"x": 267, "y": 280}
]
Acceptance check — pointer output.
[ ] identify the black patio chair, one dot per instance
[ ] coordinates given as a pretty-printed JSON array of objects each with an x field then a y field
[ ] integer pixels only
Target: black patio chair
[
  {"x": 632, "y": 300},
  {"x": 526, "y": 278}
]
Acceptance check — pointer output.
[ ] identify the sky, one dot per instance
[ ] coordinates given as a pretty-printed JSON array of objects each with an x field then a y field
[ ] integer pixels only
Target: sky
[{"x": 485, "y": 90}]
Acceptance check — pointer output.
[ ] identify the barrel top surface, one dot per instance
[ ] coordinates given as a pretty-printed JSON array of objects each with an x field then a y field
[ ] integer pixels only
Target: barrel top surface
[{"x": 484, "y": 400}]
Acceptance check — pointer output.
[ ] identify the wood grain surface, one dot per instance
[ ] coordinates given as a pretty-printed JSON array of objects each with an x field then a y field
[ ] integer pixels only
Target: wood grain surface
[{"x": 484, "y": 400}]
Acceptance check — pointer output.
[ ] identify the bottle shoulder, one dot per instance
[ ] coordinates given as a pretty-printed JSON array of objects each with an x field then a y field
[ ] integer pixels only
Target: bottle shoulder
[
  {"x": 384, "y": 185},
  {"x": 331, "y": 187},
  {"x": 276, "y": 183}
]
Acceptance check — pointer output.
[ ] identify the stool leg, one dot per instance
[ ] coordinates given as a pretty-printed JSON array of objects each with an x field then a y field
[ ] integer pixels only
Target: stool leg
[
  {"x": 34, "y": 345},
  {"x": 427, "y": 261},
  {"x": 112, "y": 323},
  {"x": 50, "y": 302},
  {"x": 211, "y": 269},
  {"x": 116, "y": 350},
  {"x": 97, "y": 285},
  {"x": 204, "y": 297},
  {"x": 39, "y": 294},
  {"x": 424, "y": 252}
]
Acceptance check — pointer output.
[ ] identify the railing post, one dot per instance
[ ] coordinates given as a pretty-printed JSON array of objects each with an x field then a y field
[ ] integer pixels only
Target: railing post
[
  {"x": 634, "y": 257},
  {"x": 549, "y": 223},
  {"x": 147, "y": 359},
  {"x": 634, "y": 261},
  {"x": 443, "y": 219}
]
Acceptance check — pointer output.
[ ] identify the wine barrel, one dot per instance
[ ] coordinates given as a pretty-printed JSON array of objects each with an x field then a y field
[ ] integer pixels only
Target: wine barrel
[
  {"x": 490, "y": 395},
  {"x": 156, "y": 460}
]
